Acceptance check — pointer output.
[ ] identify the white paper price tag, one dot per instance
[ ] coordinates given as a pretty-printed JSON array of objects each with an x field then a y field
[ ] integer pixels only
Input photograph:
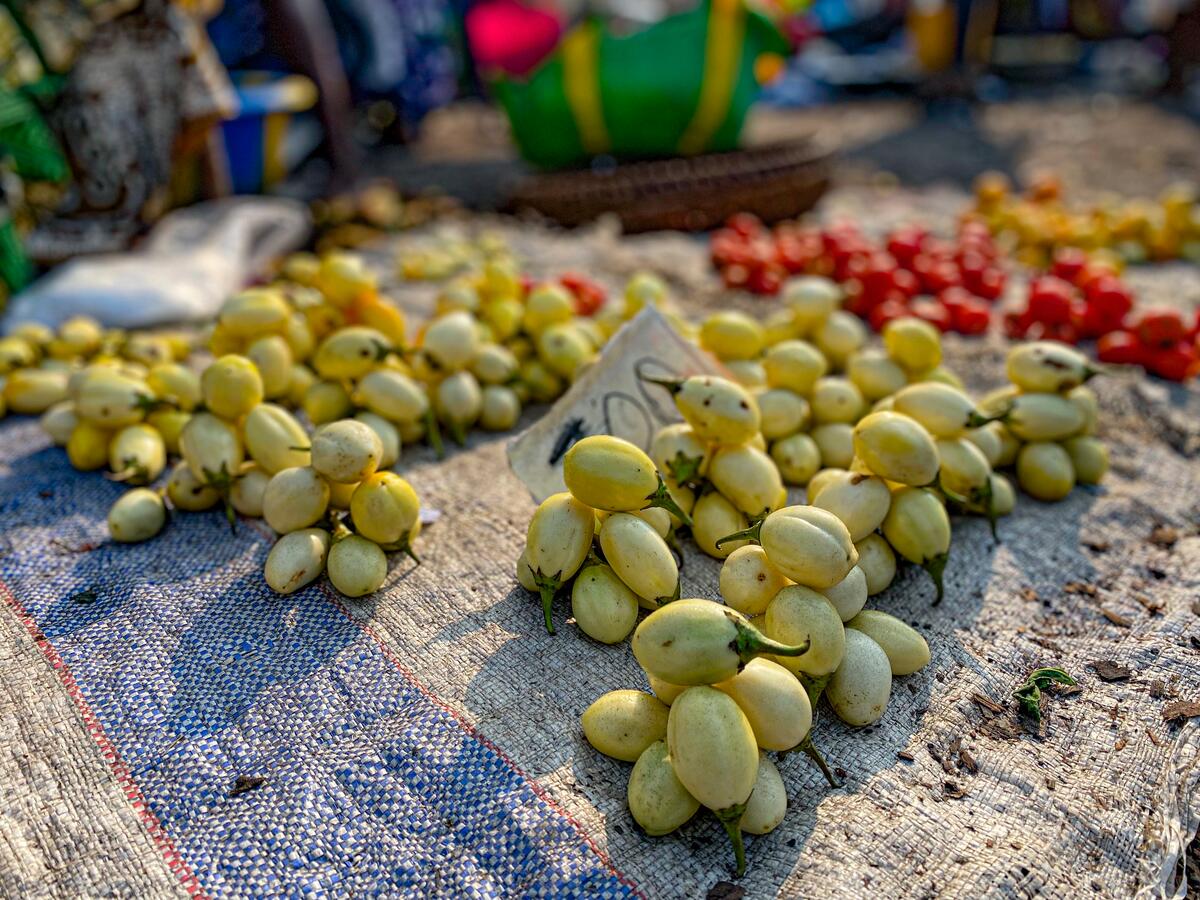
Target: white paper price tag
[{"x": 610, "y": 398}]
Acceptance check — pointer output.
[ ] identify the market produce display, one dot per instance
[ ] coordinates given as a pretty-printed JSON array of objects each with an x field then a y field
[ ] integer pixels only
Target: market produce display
[
  {"x": 314, "y": 390},
  {"x": 725, "y": 694},
  {"x": 130, "y": 405},
  {"x": 1077, "y": 292},
  {"x": 903, "y": 447},
  {"x": 1083, "y": 299},
  {"x": 315, "y": 386},
  {"x": 911, "y": 272},
  {"x": 1042, "y": 221}
]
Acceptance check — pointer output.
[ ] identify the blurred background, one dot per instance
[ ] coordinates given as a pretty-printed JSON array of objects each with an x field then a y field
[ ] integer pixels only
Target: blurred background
[{"x": 673, "y": 113}]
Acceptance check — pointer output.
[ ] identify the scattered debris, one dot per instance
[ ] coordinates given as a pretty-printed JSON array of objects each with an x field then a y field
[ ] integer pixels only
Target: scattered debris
[
  {"x": 246, "y": 783},
  {"x": 1111, "y": 671},
  {"x": 1080, "y": 587},
  {"x": 1029, "y": 595},
  {"x": 1181, "y": 709},
  {"x": 1164, "y": 536},
  {"x": 1001, "y": 729},
  {"x": 1151, "y": 605},
  {"x": 943, "y": 761},
  {"x": 85, "y": 596},
  {"x": 905, "y": 755},
  {"x": 1029, "y": 694},
  {"x": 951, "y": 790},
  {"x": 1116, "y": 618},
  {"x": 1052, "y": 646},
  {"x": 967, "y": 759},
  {"x": 67, "y": 548},
  {"x": 1154, "y": 738},
  {"x": 1097, "y": 546},
  {"x": 986, "y": 703},
  {"x": 1158, "y": 689},
  {"x": 725, "y": 890}
]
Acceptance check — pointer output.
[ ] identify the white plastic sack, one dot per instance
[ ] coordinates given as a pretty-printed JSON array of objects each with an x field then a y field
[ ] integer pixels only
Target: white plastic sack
[{"x": 192, "y": 260}]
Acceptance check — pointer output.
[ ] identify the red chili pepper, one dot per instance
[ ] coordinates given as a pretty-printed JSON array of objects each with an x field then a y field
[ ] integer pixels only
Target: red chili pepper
[
  {"x": 766, "y": 280},
  {"x": 1093, "y": 270},
  {"x": 906, "y": 283},
  {"x": 727, "y": 248},
  {"x": 971, "y": 265},
  {"x": 971, "y": 317},
  {"x": 879, "y": 277},
  {"x": 904, "y": 244},
  {"x": 1177, "y": 363},
  {"x": 852, "y": 294},
  {"x": 1016, "y": 324},
  {"x": 1109, "y": 300},
  {"x": 991, "y": 283},
  {"x": 954, "y": 298},
  {"x": 1161, "y": 326},
  {"x": 792, "y": 254},
  {"x": 1090, "y": 322},
  {"x": 945, "y": 274},
  {"x": 1122, "y": 348},
  {"x": 1065, "y": 332},
  {"x": 1050, "y": 300},
  {"x": 974, "y": 230},
  {"x": 589, "y": 296},
  {"x": 1069, "y": 263},
  {"x": 938, "y": 249}
]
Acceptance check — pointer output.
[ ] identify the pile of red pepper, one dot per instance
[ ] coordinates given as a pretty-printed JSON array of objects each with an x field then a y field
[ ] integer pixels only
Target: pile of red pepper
[
  {"x": 948, "y": 283},
  {"x": 953, "y": 284},
  {"x": 1158, "y": 339},
  {"x": 1080, "y": 299}
]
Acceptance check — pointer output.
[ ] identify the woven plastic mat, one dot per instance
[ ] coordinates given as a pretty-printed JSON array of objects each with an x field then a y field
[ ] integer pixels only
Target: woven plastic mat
[{"x": 170, "y": 726}]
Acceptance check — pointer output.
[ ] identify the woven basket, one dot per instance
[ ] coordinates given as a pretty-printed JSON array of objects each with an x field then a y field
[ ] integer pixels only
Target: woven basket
[{"x": 776, "y": 181}]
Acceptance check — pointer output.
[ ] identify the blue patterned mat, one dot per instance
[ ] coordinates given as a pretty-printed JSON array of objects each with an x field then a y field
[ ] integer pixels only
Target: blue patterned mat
[{"x": 270, "y": 745}]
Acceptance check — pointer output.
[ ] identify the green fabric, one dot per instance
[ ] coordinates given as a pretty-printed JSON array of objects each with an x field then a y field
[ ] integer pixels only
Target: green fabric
[
  {"x": 16, "y": 271},
  {"x": 28, "y": 141},
  {"x": 29, "y": 149},
  {"x": 649, "y": 84},
  {"x": 541, "y": 119}
]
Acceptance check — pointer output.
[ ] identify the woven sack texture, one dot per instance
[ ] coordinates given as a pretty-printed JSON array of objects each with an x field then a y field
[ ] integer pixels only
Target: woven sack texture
[
  {"x": 426, "y": 741},
  {"x": 170, "y": 726}
]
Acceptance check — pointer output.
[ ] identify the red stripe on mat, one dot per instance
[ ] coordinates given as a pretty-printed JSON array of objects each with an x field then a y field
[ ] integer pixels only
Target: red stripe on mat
[
  {"x": 120, "y": 771},
  {"x": 388, "y": 654},
  {"x": 411, "y": 677},
  {"x": 471, "y": 730}
]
